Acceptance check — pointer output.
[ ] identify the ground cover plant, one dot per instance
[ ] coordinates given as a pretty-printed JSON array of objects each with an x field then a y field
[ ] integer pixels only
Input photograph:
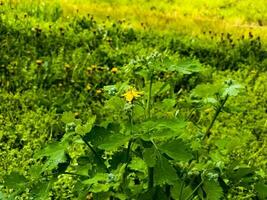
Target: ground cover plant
[{"x": 94, "y": 109}]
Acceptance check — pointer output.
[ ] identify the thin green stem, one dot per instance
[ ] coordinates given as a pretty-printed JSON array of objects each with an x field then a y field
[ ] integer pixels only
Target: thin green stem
[
  {"x": 151, "y": 169},
  {"x": 149, "y": 97},
  {"x": 95, "y": 153},
  {"x": 127, "y": 160},
  {"x": 68, "y": 173},
  {"x": 150, "y": 177},
  {"x": 131, "y": 140},
  {"x": 181, "y": 189},
  {"x": 74, "y": 174},
  {"x": 192, "y": 193},
  {"x": 218, "y": 111},
  {"x": 128, "y": 152}
]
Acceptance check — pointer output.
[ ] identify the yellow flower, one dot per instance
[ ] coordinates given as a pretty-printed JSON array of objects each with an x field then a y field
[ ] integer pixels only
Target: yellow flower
[
  {"x": 114, "y": 70},
  {"x": 98, "y": 91},
  {"x": 208, "y": 110},
  {"x": 132, "y": 94},
  {"x": 88, "y": 87},
  {"x": 88, "y": 71},
  {"x": 67, "y": 66},
  {"x": 94, "y": 67},
  {"x": 39, "y": 62}
]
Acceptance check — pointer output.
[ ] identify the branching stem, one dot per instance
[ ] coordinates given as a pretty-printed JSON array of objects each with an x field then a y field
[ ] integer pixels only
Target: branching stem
[{"x": 218, "y": 111}]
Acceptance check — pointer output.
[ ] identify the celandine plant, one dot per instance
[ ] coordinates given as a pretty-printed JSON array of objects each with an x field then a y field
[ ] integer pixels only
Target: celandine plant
[{"x": 137, "y": 145}]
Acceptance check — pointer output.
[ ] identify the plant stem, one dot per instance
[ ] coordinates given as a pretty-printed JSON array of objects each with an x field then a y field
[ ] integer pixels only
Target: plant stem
[
  {"x": 127, "y": 162},
  {"x": 74, "y": 174},
  {"x": 131, "y": 140},
  {"x": 198, "y": 186},
  {"x": 181, "y": 189},
  {"x": 95, "y": 153},
  {"x": 68, "y": 173},
  {"x": 150, "y": 169},
  {"x": 149, "y": 97},
  {"x": 150, "y": 177},
  {"x": 218, "y": 111},
  {"x": 128, "y": 151}
]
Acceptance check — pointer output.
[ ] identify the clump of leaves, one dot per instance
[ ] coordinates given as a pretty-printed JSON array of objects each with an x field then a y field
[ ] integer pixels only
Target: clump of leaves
[{"x": 132, "y": 150}]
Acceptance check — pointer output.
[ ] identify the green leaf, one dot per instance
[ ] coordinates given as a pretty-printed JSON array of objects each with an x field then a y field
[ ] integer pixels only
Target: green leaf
[
  {"x": 41, "y": 190},
  {"x": 206, "y": 90},
  {"x": 68, "y": 117},
  {"x": 179, "y": 191},
  {"x": 168, "y": 104},
  {"x": 138, "y": 164},
  {"x": 138, "y": 111},
  {"x": 110, "y": 89},
  {"x": 240, "y": 172},
  {"x": 261, "y": 190},
  {"x": 83, "y": 160},
  {"x": 172, "y": 124},
  {"x": 177, "y": 150},
  {"x": 164, "y": 173},
  {"x": 55, "y": 153},
  {"x": 15, "y": 181},
  {"x": 114, "y": 104},
  {"x": 35, "y": 171},
  {"x": 83, "y": 129},
  {"x": 121, "y": 196},
  {"x": 162, "y": 124},
  {"x": 98, "y": 183},
  {"x": 2, "y": 196},
  {"x": 176, "y": 190},
  {"x": 213, "y": 190},
  {"x": 232, "y": 89},
  {"x": 81, "y": 189},
  {"x": 186, "y": 67},
  {"x": 84, "y": 165},
  {"x": 160, "y": 128},
  {"x": 99, "y": 177},
  {"x": 114, "y": 141},
  {"x": 98, "y": 135},
  {"x": 83, "y": 169},
  {"x": 187, "y": 191},
  {"x": 210, "y": 100},
  {"x": 150, "y": 156},
  {"x": 159, "y": 88}
]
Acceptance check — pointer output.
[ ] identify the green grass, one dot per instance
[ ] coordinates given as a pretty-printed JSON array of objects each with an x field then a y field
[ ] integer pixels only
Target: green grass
[
  {"x": 236, "y": 17},
  {"x": 195, "y": 110}
]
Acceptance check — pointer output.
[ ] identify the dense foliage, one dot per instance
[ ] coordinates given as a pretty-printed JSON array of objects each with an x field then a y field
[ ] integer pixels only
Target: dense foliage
[{"x": 100, "y": 110}]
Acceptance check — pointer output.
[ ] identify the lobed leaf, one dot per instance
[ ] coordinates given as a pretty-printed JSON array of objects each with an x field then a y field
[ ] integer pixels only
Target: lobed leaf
[
  {"x": 114, "y": 141},
  {"x": 177, "y": 150},
  {"x": 55, "y": 153},
  {"x": 86, "y": 128},
  {"x": 15, "y": 181},
  {"x": 186, "y": 66},
  {"x": 213, "y": 190},
  {"x": 164, "y": 173},
  {"x": 261, "y": 190},
  {"x": 68, "y": 117}
]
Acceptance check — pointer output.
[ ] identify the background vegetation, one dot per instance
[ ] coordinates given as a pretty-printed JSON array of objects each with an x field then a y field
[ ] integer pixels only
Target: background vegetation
[{"x": 133, "y": 100}]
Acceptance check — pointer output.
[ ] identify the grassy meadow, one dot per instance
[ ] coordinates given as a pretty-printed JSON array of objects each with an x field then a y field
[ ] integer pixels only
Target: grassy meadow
[{"x": 133, "y": 100}]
